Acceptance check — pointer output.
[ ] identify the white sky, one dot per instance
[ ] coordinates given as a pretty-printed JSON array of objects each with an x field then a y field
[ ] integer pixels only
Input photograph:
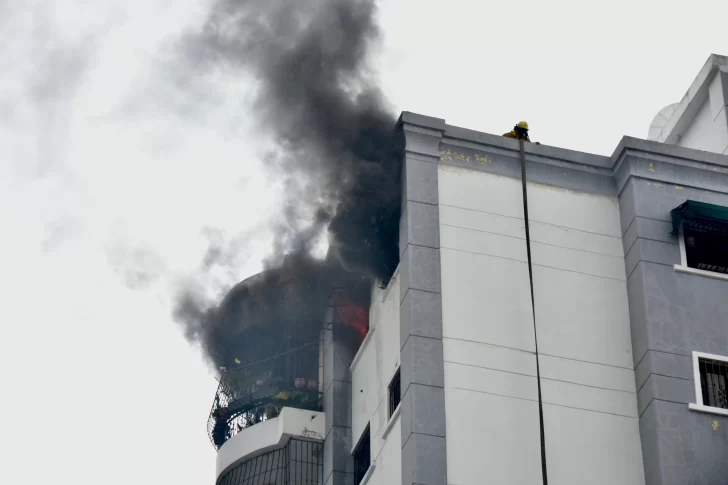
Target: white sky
[{"x": 112, "y": 163}]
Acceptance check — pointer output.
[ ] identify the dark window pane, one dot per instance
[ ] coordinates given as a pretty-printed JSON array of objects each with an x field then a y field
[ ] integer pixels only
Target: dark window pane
[
  {"x": 362, "y": 457},
  {"x": 714, "y": 382},
  {"x": 706, "y": 246},
  {"x": 394, "y": 394}
]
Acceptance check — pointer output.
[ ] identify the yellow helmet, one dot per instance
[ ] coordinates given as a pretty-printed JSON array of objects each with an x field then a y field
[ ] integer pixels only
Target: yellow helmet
[{"x": 523, "y": 124}]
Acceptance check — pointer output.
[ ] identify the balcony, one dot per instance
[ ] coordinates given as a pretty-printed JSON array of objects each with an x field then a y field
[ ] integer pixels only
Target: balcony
[
  {"x": 252, "y": 393},
  {"x": 284, "y": 450}
]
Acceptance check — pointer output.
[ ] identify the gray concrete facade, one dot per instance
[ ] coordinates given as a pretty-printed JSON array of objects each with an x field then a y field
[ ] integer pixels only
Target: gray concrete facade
[
  {"x": 338, "y": 465},
  {"x": 672, "y": 314},
  {"x": 424, "y": 455}
]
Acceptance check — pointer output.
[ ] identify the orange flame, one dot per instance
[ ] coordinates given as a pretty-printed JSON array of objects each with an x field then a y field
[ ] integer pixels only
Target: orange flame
[{"x": 356, "y": 316}]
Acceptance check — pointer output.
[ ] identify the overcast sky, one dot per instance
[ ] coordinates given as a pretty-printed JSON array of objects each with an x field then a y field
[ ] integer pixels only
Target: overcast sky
[{"x": 121, "y": 165}]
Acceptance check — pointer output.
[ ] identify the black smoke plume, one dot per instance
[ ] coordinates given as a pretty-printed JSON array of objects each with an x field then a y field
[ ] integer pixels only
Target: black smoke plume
[
  {"x": 280, "y": 308},
  {"x": 340, "y": 161}
]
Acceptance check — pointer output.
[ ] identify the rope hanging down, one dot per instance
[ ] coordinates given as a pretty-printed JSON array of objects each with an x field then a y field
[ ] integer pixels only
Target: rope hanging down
[{"x": 533, "y": 308}]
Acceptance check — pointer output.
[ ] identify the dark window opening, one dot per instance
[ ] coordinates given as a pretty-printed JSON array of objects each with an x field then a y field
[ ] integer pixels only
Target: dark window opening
[
  {"x": 362, "y": 457},
  {"x": 394, "y": 394},
  {"x": 706, "y": 245},
  {"x": 714, "y": 382}
]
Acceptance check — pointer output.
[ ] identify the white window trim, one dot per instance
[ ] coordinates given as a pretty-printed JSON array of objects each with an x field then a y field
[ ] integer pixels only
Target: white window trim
[
  {"x": 683, "y": 251},
  {"x": 353, "y": 448},
  {"x": 362, "y": 347},
  {"x": 683, "y": 266},
  {"x": 372, "y": 460},
  {"x": 389, "y": 386},
  {"x": 700, "y": 272},
  {"x": 388, "y": 290},
  {"x": 698, "y": 405},
  {"x": 393, "y": 419},
  {"x": 369, "y": 472}
]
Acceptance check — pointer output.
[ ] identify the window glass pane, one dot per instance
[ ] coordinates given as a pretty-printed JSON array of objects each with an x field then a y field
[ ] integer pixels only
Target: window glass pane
[
  {"x": 714, "y": 382},
  {"x": 706, "y": 250},
  {"x": 394, "y": 394},
  {"x": 362, "y": 457}
]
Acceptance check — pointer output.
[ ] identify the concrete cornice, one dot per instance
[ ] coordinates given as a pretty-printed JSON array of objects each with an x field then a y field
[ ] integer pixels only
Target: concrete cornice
[
  {"x": 675, "y": 153},
  {"x": 431, "y": 139},
  {"x": 473, "y": 138},
  {"x": 423, "y": 121},
  {"x": 669, "y": 164},
  {"x": 422, "y": 135}
]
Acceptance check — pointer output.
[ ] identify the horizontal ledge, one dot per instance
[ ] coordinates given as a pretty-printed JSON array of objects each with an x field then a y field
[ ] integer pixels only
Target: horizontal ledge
[
  {"x": 707, "y": 409},
  {"x": 699, "y": 272},
  {"x": 533, "y": 241},
  {"x": 535, "y": 400},
  {"x": 455, "y": 134},
  {"x": 392, "y": 420},
  {"x": 551, "y": 379},
  {"x": 363, "y": 346}
]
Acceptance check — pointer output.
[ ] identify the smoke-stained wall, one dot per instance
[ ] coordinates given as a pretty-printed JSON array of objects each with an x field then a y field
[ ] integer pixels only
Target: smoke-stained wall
[{"x": 375, "y": 365}]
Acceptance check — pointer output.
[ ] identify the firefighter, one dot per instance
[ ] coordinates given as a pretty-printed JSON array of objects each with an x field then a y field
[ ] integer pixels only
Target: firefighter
[{"x": 519, "y": 132}]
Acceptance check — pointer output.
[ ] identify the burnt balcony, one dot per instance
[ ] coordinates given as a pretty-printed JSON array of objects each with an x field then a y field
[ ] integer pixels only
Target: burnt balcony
[{"x": 251, "y": 393}]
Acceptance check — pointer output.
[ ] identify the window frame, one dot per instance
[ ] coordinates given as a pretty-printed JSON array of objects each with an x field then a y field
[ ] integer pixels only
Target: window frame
[
  {"x": 361, "y": 476},
  {"x": 398, "y": 378},
  {"x": 699, "y": 405},
  {"x": 683, "y": 266}
]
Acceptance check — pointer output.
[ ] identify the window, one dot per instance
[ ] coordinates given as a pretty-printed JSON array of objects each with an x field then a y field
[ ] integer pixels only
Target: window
[
  {"x": 703, "y": 235},
  {"x": 706, "y": 246},
  {"x": 394, "y": 394},
  {"x": 714, "y": 382},
  {"x": 711, "y": 382},
  {"x": 362, "y": 457}
]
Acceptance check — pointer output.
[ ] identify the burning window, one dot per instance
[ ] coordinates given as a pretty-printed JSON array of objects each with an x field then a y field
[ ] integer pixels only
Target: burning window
[
  {"x": 713, "y": 390},
  {"x": 394, "y": 394},
  {"x": 706, "y": 245},
  {"x": 351, "y": 311},
  {"x": 356, "y": 316},
  {"x": 362, "y": 457}
]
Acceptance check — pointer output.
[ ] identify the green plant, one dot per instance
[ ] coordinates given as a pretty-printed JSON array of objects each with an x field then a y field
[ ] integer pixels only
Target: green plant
[
  {"x": 272, "y": 411},
  {"x": 298, "y": 399}
]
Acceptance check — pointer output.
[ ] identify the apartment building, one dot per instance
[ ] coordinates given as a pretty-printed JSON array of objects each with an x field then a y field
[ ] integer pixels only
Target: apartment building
[{"x": 585, "y": 323}]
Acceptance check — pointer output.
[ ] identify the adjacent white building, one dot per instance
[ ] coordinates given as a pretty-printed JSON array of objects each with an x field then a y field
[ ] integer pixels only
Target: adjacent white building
[{"x": 700, "y": 119}]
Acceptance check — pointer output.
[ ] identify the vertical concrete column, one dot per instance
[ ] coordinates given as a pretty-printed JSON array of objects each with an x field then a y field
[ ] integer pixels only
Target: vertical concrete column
[
  {"x": 338, "y": 462},
  {"x": 424, "y": 457}
]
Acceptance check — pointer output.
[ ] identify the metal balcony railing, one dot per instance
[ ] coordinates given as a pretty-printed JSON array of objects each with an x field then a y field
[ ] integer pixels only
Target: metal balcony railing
[{"x": 251, "y": 393}]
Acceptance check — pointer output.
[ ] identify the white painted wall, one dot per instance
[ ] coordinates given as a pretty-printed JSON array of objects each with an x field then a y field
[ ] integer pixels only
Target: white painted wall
[
  {"x": 371, "y": 372},
  {"x": 268, "y": 435},
  {"x": 709, "y": 129},
  {"x": 388, "y": 460},
  {"x": 583, "y": 327}
]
